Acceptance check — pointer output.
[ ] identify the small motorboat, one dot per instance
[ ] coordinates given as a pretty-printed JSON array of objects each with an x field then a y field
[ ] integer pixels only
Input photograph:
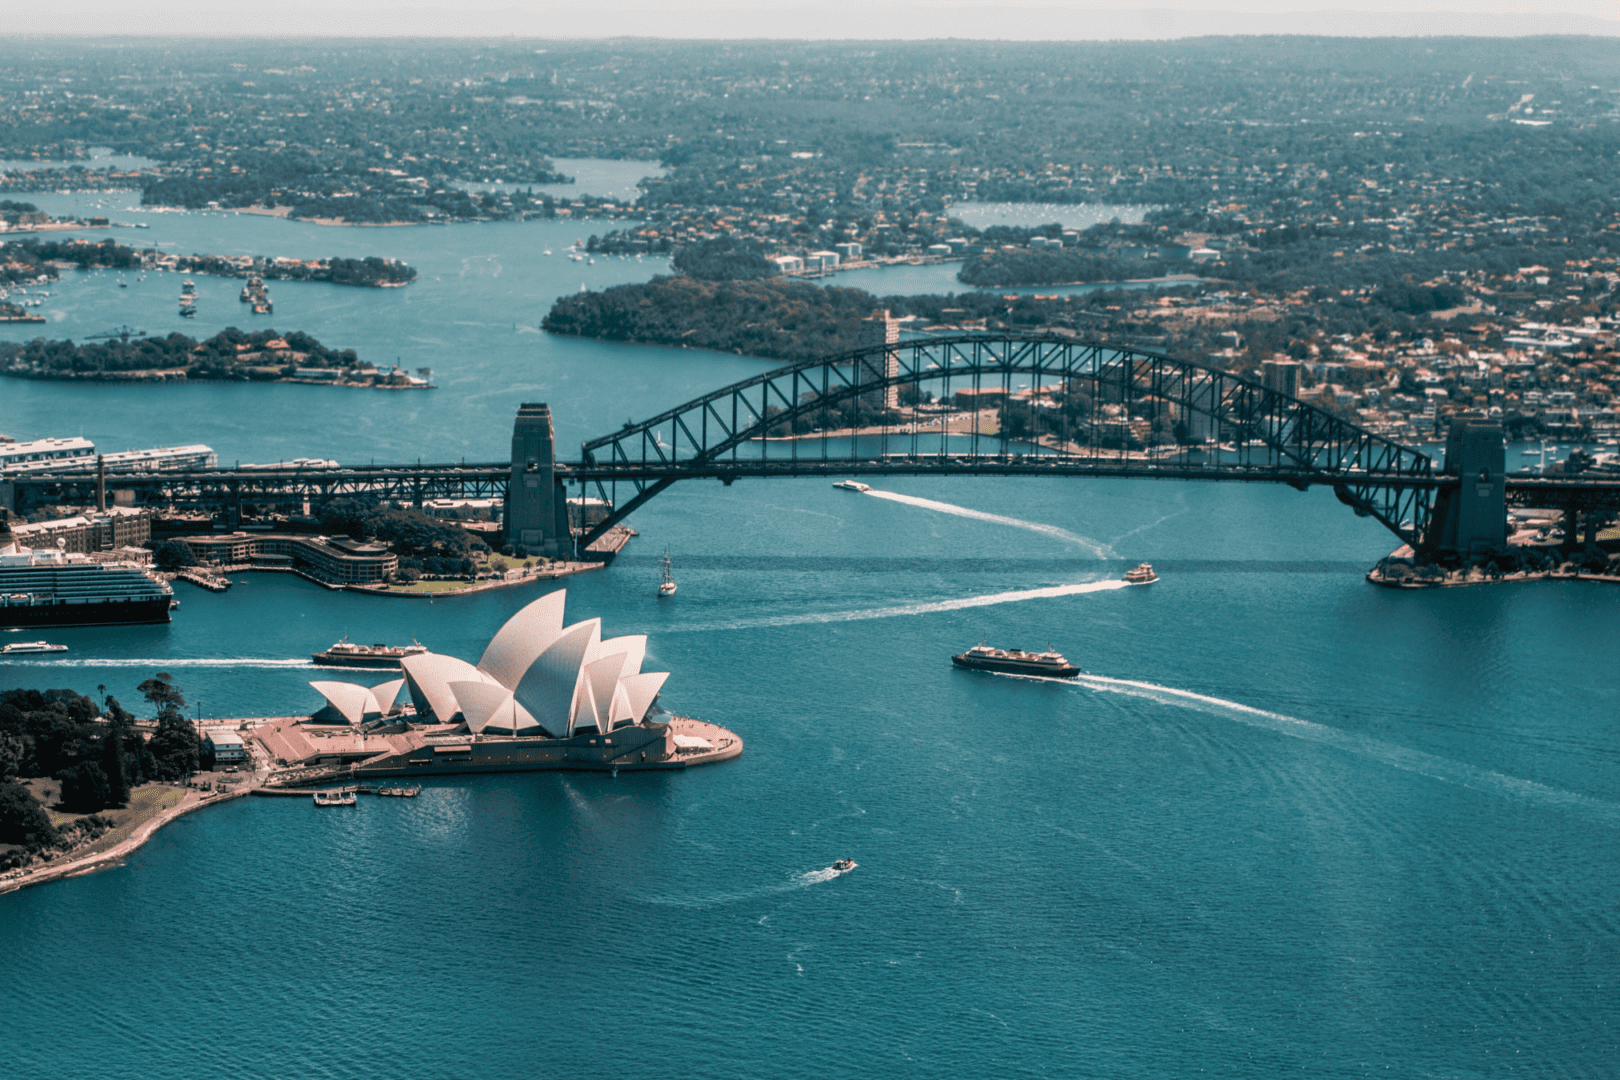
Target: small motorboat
[
  {"x": 1142, "y": 575},
  {"x": 844, "y": 866},
  {"x": 853, "y": 485},
  {"x": 25, "y": 648}
]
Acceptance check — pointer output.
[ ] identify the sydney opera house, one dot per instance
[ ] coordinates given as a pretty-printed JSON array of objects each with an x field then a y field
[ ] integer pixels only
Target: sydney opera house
[{"x": 543, "y": 695}]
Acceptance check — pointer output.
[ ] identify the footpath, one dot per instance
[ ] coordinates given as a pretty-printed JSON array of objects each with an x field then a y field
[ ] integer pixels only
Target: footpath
[{"x": 102, "y": 860}]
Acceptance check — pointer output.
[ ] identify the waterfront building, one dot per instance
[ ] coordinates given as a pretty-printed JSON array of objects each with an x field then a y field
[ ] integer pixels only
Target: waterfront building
[
  {"x": 79, "y": 455},
  {"x": 539, "y": 677},
  {"x": 41, "y": 455},
  {"x": 103, "y": 531},
  {"x": 330, "y": 560},
  {"x": 228, "y": 745}
]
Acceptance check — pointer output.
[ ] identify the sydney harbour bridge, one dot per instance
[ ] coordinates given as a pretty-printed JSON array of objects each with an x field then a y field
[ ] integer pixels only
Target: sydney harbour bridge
[{"x": 855, "y": 414}]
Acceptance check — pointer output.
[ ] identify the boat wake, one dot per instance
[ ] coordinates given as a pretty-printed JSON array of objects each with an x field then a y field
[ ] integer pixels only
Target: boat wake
[
  {"x": 1445, "y": 770},
  {"x": 1101, "y": 550},
  {"x": 930, "y": 608},
  {"x": 163, "y": 665},
  {"x": 802, "y": 881}
]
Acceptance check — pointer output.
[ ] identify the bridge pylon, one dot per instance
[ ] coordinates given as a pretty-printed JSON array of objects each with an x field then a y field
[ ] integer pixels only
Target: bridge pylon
[
  {"x": 536, "y": 503},
  {"x": 1471, "y": 517}
]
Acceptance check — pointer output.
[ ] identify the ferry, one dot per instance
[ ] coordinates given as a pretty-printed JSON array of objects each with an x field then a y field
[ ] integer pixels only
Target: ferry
[
  {"x": 1142, "y": 575},
  {"x": 24, "y": 648},
  {"x": 666, "y": 587},
  {"x": 344, "y": 653},
  {"x": 983, "y": 657},
  {"x": 853, "y": 485}
]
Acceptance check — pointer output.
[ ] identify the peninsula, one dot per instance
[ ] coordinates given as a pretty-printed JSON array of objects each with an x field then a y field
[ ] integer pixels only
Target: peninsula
[{"x": 231, "y": 355}]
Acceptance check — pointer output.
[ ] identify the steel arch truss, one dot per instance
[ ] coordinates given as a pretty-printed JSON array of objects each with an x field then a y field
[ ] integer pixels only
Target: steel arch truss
[{"x": 1075, "y": 408}]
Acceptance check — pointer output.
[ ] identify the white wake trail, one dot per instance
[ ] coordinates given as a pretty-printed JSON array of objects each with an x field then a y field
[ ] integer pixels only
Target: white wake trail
[
  {"x": 120, "y": 662},
  {"x": 929, "y": 608},
  {"x": 1102, "y": 551},
  {"x": 1433, "y": 766}
]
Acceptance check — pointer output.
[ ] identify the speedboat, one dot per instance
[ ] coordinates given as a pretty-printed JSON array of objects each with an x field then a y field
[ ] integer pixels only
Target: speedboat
[
  {"x": 1142, "y": 575},
  {"x": 853, "y": 485},
  {"x": 844, "y": 866},
  {"x": 24, "y": 648}
]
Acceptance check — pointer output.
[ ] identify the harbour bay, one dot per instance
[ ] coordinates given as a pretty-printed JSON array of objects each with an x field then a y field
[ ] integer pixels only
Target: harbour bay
[{"x": 1290, "y": 822}]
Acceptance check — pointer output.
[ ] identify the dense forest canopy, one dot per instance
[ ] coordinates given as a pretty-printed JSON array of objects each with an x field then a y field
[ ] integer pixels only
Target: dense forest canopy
[{"x": 231, "y": 353}]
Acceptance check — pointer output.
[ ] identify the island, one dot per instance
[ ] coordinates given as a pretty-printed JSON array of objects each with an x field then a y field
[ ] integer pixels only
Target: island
[
  {"x": 231, "y": 355},
  {"x": 34, "y": 261}
]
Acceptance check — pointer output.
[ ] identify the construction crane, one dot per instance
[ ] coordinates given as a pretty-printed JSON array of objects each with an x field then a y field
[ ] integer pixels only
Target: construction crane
[{"x": 123, "y": 333}]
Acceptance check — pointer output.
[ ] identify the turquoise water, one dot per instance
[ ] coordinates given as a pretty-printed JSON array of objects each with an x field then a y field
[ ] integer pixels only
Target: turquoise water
[{"x": 1288, "y": 823}]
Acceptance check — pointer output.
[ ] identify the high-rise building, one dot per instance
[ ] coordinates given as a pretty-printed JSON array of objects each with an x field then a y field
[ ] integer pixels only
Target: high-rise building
[
  {"x": 1281, "y": 376},
  {"x": 876, "y": 332}
]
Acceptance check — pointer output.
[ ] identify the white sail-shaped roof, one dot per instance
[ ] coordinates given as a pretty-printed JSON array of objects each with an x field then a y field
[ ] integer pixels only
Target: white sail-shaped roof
[
  {"x": 524, "y": 637},
  {"x": 641, "y": 690},
  {"x": 634, "y": 646},
  {"x": 356, "y": 703},
  {"x": 429, "y": 675},
  {"x": 352, "y": 700},
  {"x": 596, "y": 697},
  {"x": 386, "y": 694},
  {"x": 490, "y": 707},
  {"x": 547, "y": 688},
  {"x": 620, "y": 713}
]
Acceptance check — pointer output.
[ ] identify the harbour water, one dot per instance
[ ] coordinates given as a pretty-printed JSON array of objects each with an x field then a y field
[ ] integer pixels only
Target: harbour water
[{"x": 1288, "y": 822}]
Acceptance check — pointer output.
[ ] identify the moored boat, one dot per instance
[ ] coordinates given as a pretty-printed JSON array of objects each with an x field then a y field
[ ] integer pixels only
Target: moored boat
[
  {"x": 1050, "y": 663},
  {"x": 345, "y": 653},
  {"x": 1142, "y": 575},
  {"x": 334, "y": 798},
  {"x": 666, "y": 587}
]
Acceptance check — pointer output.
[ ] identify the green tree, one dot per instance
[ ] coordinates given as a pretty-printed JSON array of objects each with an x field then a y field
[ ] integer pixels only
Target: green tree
[
  {"x": 162, "y": 692},
  {"x": 113, "y": 767},
  {"x": 22, "y": 820},
  {"x": 172, "y": 555},
  {"x": 84, "y": 788},
  {"x": 176, "y": 748}
]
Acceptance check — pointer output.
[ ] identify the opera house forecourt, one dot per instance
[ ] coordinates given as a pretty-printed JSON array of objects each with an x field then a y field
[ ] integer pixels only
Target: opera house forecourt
[{"x": 543, "y": 696}]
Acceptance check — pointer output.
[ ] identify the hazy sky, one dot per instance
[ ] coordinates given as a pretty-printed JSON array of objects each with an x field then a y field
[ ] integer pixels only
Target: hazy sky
[{"x": 841, "y": 19}]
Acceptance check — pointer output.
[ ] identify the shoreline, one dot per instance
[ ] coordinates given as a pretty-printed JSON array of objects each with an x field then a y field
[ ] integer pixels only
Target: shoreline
[
  {"x": 160, "y": 377},
  {"x": 114, "y": 856}
]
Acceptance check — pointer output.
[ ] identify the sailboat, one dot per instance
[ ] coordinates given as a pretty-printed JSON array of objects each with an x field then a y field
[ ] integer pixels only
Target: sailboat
[{"x": 666, "y": 587}]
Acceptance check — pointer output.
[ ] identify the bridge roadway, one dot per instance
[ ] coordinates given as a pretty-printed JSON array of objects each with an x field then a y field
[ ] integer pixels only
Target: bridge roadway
[{"x": 226, "y": 489}]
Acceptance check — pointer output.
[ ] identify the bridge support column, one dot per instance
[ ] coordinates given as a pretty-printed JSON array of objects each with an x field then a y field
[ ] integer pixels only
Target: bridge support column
[
  {"x": 1471, "y": 519},
  {"x": 536, "y": 503}
]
